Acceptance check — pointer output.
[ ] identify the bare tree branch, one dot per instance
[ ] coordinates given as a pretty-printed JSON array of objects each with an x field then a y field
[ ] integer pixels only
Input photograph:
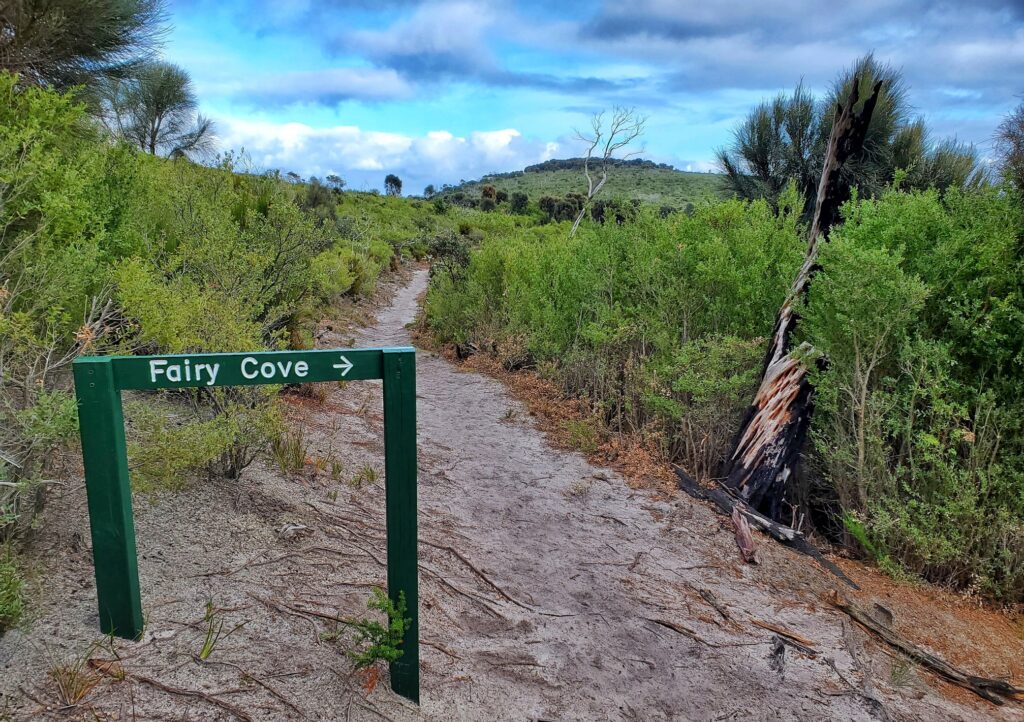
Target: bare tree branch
[{"x": 621, "y": 131}]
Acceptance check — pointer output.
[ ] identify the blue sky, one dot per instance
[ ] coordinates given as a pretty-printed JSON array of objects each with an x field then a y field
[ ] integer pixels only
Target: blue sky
[{"x": 441, "y": 90}]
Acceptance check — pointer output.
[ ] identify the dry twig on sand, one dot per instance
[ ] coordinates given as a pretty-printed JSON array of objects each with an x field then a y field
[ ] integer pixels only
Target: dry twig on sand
[
  {"x": 103, "y": 667},
  {"x": 744, "y": 539},
  {"x": 265, "y": 685},
  {"x": 802, "y": 643}
]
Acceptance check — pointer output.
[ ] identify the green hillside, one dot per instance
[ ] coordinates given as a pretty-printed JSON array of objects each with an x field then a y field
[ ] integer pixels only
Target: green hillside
[{"x": 649, "y": 182}]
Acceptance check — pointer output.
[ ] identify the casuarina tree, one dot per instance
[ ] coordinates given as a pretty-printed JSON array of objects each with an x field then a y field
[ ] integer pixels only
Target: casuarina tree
[
  {"x": 64, "y": 43},
  {"x": 785, "y": 139},
  {"x": 156, "y": 110}
]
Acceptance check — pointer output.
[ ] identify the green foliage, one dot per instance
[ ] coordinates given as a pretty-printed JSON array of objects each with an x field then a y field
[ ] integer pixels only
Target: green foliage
[
  {"x": 651, "y": 184},
  {"x": 60, "y": 226},
  {"x": 451, "y": 255},
  {"x": 696, "y": 393},
  {"x": 289, "y": 450},
  {"x": 366, "y": 475},
  {"x": 180, "y": 314},
  {"x": 380, "y": 642},
  {"x": 155, "y": 109},
  {"x": 109, "y": 250},
  {"x": 582, "y": 434},
  {"x": 214, "y": 631},
  {"x": 918, "y": 307},
  {"x": 12, "y": 604},
  {"x": 320, "y": 202},
  {"x": 1010, "y": 147},
  {"x": 65, "y": 43},
  {"x": 615, "y": 309},
  {"x": 785, "y": 139},
  {"x": 168, "y": 444},
  {"x": 519, "y": 202}
]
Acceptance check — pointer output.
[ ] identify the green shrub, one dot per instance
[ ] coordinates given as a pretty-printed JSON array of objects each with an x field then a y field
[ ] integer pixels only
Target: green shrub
[
  {"x": 332, "y": 272},
  {"x": 918, "y": 427},
  {"x": 918, "y": 445},
  {"x": 618, "y": 309},
  {"x": 108, "y": 250},
  {"x": 695, "y": 395},
  {"x": 12, "y": 604}
]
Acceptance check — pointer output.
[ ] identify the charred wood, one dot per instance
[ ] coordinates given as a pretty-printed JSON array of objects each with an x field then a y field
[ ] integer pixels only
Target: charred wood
[
  {"x": 768, "y": 444},
  {"x": 726, "y": 502}
]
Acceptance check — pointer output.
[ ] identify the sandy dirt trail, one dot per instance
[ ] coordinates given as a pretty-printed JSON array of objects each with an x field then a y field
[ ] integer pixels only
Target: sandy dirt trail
[{"x": 585, "y": 599}]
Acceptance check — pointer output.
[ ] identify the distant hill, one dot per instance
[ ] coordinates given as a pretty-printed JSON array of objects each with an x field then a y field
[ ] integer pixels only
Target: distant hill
[{"x": 655, "y": 183}]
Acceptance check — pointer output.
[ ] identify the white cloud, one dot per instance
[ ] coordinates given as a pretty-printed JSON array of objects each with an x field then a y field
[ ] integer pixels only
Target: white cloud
[
  {"x": 433, "y": 37},
  {"x": 363, "y": 157},
  {"x": 699, "y": 166}
]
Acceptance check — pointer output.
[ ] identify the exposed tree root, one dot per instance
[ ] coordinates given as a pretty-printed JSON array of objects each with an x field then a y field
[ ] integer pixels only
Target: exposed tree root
[{"x": 997, "y": 691}]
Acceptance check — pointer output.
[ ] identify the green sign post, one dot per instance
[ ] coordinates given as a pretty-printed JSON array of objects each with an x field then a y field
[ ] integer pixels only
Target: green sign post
[{"x": 99, "y": 381}]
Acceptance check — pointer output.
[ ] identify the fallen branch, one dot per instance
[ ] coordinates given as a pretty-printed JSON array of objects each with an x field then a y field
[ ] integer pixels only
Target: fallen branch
[
  {"x": 483, "y": 577},
  {"x": 802, "y": 643},
  {"x": 786, "y": 535},
  {"x": 997, "y": 691},
  {"x": 468, "y": 595},
  {"x": 708, "y": 596},
  {"x": 440, "y": 648},
  {"x": 285, "y": 610},
  {"x": 250, "y": 676},
  {"x": 248, "y": 565}
]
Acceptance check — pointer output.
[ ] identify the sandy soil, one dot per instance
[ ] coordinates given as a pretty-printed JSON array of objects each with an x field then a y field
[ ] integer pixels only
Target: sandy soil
[{"x": 586, "y": 599}]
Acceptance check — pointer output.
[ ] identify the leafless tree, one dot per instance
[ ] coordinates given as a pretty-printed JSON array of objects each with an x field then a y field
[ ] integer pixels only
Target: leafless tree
[{"x": 607, "y": 137}]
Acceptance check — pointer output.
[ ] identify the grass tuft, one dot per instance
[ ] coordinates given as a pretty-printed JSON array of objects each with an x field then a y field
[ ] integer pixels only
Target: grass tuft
[{"x": 289, "y": 451}]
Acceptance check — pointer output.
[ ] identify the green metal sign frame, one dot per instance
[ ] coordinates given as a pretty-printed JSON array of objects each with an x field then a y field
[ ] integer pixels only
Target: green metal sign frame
[{"x": 99, "y": 381}]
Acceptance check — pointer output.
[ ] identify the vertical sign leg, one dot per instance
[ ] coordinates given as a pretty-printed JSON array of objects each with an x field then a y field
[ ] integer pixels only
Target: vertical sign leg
[
  {"x": 400, "y": 479},
  {"x": 110, "y": 500}
]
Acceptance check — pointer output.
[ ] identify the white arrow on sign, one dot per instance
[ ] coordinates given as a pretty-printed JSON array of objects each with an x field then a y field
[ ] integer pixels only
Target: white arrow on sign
[{"x": 345, "y": 366}]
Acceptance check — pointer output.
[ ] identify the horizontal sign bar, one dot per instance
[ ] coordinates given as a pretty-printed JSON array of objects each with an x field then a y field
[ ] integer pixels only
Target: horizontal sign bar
[{"x": 243, "y": 369}]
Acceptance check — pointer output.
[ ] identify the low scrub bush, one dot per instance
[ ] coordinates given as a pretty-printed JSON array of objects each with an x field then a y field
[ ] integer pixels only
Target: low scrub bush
[
  {"x": 108, "y": 250},
  {"x": 918, "y": 431},
  {"x": 657, "y": 322},
  {"x": 917, "y": 453},
  {"x": 12, "y": 604}
]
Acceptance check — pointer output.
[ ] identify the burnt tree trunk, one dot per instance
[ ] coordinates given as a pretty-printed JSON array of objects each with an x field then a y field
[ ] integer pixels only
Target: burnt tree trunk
[{"x": 768, "y": 445}]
